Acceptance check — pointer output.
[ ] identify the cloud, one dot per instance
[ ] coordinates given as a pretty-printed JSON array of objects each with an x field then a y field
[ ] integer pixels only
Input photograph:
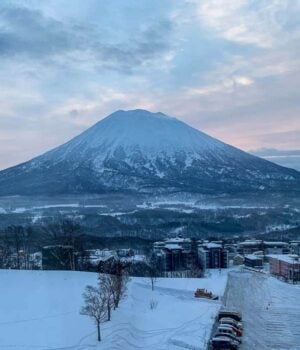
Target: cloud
[
  {"x": 29, "y": 33},
  {"x": 253, "y": 22},
  {"x": 283, "y": 139},
  {"x": 229, "y": 68},
  {"x": 286, "y": 158},
  {"x": 242, "y": 80}
]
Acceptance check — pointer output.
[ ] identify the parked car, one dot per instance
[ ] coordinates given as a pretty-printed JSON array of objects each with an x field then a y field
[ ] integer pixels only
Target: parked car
[
  {"x": 232, "y": 337},
  {"x": 227, "y": 330},
  {"x": 237, "y": 330},
  {"x": 223, "y": 342},
  {"x": 232, "y": 314},
  {"x": 229, "y": 320}
]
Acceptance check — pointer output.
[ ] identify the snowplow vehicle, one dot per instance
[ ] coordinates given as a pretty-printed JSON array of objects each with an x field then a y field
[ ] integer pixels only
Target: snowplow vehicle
[{"x": 203, "y": 293}]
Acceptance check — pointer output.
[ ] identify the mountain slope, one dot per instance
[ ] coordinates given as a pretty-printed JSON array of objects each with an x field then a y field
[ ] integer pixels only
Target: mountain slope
[{"x": 141, "y": 151}]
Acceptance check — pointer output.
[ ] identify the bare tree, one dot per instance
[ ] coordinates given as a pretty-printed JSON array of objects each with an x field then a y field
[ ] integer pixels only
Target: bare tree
[
  {"x": 106, "y": 283},
  {"x": 5, "y": 252},
  {"x": 152, "y": 272},
  {"x": 15, "y": 237},
  {"x": 118, "y": 278},
  {"x": 119, "y": 281},
  {"x": 95, "y": 306}
]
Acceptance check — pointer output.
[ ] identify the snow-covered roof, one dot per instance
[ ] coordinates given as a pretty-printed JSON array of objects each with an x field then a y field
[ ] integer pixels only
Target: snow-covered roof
[
  {"x": 252, "y": 242},
  {"x": 98, "y": 255},
  {"x": 238, "y": 256},
  {"x": 101, "y": 252},
  {"x": 289, "y": 258},
  {"x": 135, "y": 258},
  {"x": 212, "y": 245},
  {"x": 275, "y": 243},
  {"x": 253, "y": 257},
  {"x": 178, "y": 240},
  {"x": 58, "y": 246},
  {"x": 173, "y": 247}
]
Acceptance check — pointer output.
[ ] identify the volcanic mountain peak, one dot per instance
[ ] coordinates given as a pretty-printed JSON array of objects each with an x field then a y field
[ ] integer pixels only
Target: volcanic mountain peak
[
  {"x": 151, "y": 133},
  {"x": 142, "y": 151}
]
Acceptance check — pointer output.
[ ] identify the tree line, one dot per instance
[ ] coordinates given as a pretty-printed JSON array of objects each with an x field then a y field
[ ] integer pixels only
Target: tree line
[{"x": 19, "y": 243}]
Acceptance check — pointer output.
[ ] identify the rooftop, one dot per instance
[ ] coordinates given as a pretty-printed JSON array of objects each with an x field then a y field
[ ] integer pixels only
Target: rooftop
[
  {"x": 276, "y": 243},
  {"x": 173, "y": 247},
  {"x": 250, "y": 242},
  {"x": 289, "y": 258},
  {"x": 253, "y": 257},
  {"x": 178, "y": 240},
  {"x": 212, "y": 245}
]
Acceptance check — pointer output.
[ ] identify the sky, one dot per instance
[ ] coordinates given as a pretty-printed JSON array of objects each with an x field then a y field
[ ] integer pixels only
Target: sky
[{"x": 228, "y": 68}]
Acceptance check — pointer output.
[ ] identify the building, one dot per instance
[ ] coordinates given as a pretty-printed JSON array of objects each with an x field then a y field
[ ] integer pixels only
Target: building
[
  {"x": 249, "y": 246},
  {"x": 252, "y": 246},
  {"x": 172, "y": 257},
  {"x": 295, "y": 247},
  {"x": 36, "y": 261},
  {"x": 253, "y": 261},
  {"x": 232, "y": 250},
  {"x": 276, "y": 248},
  {"x": 158, "y": 246},
  {"x": 238, "y": 260},
  {"x": 285, "y": 266},
  {"x": 96, "y": 257},
  {"x": 212, "y": 256},
  {"x": 174, "y": 254},
  {"x": 125, "y": 252}
]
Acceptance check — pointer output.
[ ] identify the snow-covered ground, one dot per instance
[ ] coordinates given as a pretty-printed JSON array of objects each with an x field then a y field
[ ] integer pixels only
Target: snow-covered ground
[
  {"x": 40, "y": 310},
  {"x": 270, "y": 310}
]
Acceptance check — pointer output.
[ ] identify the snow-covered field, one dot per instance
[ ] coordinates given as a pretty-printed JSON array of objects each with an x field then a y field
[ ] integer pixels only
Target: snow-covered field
[
  {"x": 40, "y": 310},
  {"x": 270, "y": 308}
]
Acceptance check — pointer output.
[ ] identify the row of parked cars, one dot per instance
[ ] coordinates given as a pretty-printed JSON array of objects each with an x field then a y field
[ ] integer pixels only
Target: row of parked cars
[{"x": 228, "y": 335}]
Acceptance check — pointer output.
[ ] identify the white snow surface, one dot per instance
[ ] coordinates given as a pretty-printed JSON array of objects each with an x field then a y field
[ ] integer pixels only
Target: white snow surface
[
  {"x": 139, "y": 132},
  {"x": 40, "y": 310},
  {"x": 270, "y": 310}
]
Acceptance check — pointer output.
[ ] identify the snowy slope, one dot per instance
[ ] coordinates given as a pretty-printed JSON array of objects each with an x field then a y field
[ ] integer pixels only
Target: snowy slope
[
  {"x": 40, "y": 310},
  {"x": 139, "y": 151},
  {"x": 152, "y": 134}
]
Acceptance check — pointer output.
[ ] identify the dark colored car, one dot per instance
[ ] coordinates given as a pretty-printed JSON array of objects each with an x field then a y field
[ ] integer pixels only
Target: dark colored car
[
  {"x": 232, "y": 314},
  {"x": 232, "y": 337},
  {"x": 224, "y": 343}
]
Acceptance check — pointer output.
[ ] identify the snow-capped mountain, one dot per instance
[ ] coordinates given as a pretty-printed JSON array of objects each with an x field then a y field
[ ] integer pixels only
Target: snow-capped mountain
[{"x": 139, "y": 151}]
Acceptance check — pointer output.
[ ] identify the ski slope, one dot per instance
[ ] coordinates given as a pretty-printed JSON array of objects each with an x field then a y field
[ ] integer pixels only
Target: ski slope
[
  {"x": 270, "y": 310},
  {"x": 39, "y": 310}
]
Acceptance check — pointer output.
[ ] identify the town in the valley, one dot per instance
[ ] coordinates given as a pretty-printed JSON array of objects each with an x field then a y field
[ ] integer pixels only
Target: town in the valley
[{"x": 169, "y": 257}]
